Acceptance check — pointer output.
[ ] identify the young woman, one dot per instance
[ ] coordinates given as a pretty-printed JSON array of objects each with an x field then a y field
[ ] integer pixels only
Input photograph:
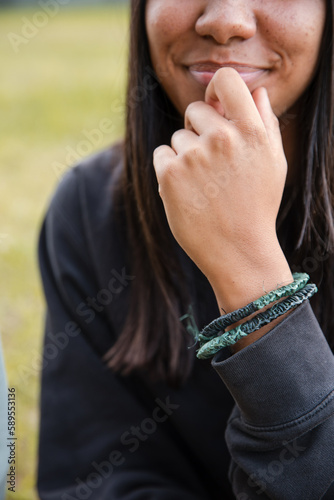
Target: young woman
[{"x": 222, "y": 189}]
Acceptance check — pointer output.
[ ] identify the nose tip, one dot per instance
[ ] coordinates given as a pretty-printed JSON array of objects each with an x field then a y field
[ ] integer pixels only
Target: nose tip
[{"x": 227, "y": 20}]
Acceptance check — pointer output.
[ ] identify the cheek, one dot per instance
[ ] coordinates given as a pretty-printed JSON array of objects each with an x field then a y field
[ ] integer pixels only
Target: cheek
[
  {"x": 297, "y": 42},
  {"x": 298, "y": 31},
  {"x": 158, "y": 23},
  {"x": 305, "y": 30},
  {"x": 163, "y": 26},
  {"x": 169, "y": 24},
  {"x": 306, "y": 42}
]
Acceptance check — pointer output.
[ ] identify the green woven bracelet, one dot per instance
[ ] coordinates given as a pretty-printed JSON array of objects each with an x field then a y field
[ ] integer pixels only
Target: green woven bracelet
[
  {"x": 220, "y": 324},
  {"x": 209, "y": 349}
]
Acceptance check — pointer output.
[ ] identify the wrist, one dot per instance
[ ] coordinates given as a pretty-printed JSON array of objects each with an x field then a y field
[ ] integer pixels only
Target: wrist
[{"x": 245, "y": 281}]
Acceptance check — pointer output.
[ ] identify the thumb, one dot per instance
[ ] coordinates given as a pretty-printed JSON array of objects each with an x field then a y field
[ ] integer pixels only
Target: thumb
[{"x": 270, "y": 121}]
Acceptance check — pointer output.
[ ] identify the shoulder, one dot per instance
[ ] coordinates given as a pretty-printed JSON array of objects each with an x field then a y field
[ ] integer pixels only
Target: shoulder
[
  {"x": 91, "y": 182},
  {"x": 81, "y": 218},
  {"x": 82, "y": 248}
]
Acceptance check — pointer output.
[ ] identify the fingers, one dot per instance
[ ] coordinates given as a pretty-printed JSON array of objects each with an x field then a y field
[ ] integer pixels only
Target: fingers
[
  {"x": 183, "y": 140},
  {"x": 261, "y": 100},
  {"x": 230, "y": 96},
  {"x": 162, "y": 158},
  {"x": 200, "y": 117}
]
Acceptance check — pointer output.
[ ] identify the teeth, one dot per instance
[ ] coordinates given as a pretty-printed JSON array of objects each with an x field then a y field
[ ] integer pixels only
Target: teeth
[
  {"x": 204, "y": 73},
  {"x": 212, "y": 68}
]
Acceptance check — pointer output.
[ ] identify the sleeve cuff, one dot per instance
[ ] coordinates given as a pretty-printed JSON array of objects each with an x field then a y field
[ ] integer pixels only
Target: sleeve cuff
[{"x": 284, "y": 375}]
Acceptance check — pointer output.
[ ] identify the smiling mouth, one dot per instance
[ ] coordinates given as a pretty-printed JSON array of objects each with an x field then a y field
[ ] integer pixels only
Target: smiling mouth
[{"x": 204, "y": 72}]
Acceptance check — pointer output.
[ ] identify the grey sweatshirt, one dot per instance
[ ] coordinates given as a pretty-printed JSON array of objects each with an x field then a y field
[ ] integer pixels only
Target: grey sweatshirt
[{"x": 256, "y": 424}]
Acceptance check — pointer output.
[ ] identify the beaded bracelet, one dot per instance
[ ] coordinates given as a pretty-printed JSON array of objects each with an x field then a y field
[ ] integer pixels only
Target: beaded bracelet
[
  {"x": 220, "y": 324},
  {"x": 208, "y": 349}
]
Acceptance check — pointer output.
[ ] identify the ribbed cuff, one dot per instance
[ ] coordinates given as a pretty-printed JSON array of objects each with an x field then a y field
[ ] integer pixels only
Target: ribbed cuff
[{"x": 284, "y": 375}]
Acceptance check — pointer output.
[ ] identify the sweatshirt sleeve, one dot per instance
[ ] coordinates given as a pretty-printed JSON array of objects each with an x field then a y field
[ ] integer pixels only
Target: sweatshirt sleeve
[{"x": 281, "y": 432}]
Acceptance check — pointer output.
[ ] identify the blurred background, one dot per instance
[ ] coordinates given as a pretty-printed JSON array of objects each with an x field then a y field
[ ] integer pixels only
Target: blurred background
[{"x": 63, "y": 74}]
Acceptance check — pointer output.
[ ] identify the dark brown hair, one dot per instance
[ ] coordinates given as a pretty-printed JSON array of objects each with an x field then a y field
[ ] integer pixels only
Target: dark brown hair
[{"x": 153, "y": 339}]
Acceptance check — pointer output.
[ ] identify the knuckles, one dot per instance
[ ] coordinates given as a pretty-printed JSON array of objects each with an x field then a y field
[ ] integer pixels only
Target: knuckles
[
  {"x": 177, "y": 135},
  {"x": 193, "y": 156},
  {"x": 192, "y": 109},
  {"x": 221, "y": 138}
]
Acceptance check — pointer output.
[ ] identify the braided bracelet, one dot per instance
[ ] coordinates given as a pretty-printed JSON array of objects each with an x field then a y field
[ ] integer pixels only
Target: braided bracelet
[
  {"x": 220, "y": 324},
  {"x": 208, "y": 349}
]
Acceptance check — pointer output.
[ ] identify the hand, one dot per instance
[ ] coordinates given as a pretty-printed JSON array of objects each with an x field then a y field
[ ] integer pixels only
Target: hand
[{"x": 221, "y": 183}]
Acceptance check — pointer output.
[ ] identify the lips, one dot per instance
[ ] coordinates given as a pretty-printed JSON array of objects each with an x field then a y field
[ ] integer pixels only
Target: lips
[{"x": 203, "y": 72}]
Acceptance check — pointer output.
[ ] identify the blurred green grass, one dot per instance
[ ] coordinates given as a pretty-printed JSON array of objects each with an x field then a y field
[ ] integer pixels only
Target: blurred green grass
[{"x": 64, "y": 80}]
